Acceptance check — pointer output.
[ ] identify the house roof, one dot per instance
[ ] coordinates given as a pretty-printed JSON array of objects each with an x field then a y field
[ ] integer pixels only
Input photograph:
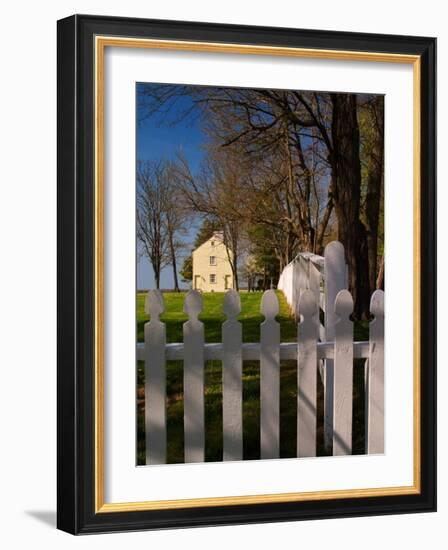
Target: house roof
[{"x": 218, "y": 235}]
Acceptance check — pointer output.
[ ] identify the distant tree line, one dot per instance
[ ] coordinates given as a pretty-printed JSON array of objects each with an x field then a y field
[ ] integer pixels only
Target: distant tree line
[{"x": 161, "y": 218}]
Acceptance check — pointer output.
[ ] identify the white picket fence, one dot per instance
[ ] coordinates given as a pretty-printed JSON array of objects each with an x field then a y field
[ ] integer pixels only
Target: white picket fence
[
  {"x": 307, "y": 351},
  {"x": 325, "y": 276}
]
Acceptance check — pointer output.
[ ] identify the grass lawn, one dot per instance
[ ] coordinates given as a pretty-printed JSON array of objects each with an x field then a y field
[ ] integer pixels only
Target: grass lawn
[
  {"x": 250, "y": 318},
  {"x": 212, "y": 316}
]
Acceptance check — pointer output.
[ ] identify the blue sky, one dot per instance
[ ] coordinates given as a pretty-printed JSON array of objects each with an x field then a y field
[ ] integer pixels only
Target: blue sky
[{"x": 157, "y": 139}]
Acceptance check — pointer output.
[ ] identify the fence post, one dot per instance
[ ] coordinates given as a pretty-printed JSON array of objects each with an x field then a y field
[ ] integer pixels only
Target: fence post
[
  {"x": 301, "y": 264},
  {"x": 193, "y": 330},
  {"x": 295, "y": 281},
  {"x": 335, "y": 280},
  {"x": 232, "y": 385},
  {"x": 343, "y": 374},
  {"x": 269, "y": 378},
  {"x": 375, "y": 377},
  {"x": 314, "y": 281},
  {"x": 155, "y": 380},
  {"x": 307, "y": 374}
]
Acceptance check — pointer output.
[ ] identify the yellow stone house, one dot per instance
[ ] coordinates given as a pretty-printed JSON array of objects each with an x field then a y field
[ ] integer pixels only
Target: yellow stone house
[{"x": 211, "y": 267}]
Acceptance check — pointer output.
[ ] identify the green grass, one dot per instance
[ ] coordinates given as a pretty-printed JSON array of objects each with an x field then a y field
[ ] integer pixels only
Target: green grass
[
  {"x": 212, "y": 316},
  {"x": 250, "y": 317}
]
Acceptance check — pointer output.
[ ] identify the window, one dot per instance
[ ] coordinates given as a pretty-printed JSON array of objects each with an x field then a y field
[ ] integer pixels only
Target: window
[
  {"x": 212, "y": 260},
  {"x": 212, "y": 278},
  {"x": 213, "y": 243}
]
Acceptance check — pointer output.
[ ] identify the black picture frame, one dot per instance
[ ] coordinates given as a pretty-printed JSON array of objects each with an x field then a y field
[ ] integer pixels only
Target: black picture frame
[{"x": 76, "y": 276}]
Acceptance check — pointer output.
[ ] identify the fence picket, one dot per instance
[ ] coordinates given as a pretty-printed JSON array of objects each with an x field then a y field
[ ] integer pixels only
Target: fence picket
[
  {"x": 307, "y": 374},
  {"x": 343, "y": 374},
  {"x": 232, "y": 385},
  {"x": 269, "y": 378},
  {"x": 155, "y": 380},
  {"x": 335, "y": 280},
  {"x": 193, "y": 331},
  {"x": 375, "y": 378}
]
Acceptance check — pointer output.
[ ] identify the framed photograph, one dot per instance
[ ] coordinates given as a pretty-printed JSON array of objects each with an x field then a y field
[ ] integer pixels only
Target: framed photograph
[{"x": 246, "y": 274}]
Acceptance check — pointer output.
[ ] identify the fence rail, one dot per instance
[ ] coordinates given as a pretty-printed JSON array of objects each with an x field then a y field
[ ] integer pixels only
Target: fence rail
[
  {"x": 307, "y": 351},
  {"x": 251, "y": 351}
]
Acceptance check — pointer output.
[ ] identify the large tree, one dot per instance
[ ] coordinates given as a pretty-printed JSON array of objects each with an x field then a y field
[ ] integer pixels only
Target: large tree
[
  {"x": 346, "y": 191},
  {"x": 371, "y": 115},
  {"x": 160, "y": 217},
  {"x": 212, "y": 194},
  {"x": 175, "y": 217},
  {"x": 151, "y": 206}
]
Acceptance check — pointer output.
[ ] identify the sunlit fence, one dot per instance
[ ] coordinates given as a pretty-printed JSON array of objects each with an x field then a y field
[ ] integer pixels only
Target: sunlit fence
[{"x": 310, "y": 352}]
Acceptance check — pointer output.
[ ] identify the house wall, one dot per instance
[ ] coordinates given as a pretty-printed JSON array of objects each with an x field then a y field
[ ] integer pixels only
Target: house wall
[{"x": 202, "y": 269}]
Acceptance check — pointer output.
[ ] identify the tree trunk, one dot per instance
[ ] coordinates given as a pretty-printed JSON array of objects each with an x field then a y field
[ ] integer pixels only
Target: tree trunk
[
  {"x": 233, "y": 261},
  {"x": 173, "y": 262},
  {"x": 157, "y": 278},
  {"x": 346, "y": 168},
  {"x": 380, "y": 278},
  {"x": 231, "y": 243},
  {"x": 302, "y": 202},
  {"x": 372, "y": 216},
  {"x": 235, "y": 276},
  {"x": 374, "y": 181},
  {"x": 319, "y": 245}
]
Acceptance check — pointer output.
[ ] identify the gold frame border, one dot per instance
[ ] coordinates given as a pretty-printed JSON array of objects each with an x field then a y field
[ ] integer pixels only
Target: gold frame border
[{"x": 101, "y": 42}]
